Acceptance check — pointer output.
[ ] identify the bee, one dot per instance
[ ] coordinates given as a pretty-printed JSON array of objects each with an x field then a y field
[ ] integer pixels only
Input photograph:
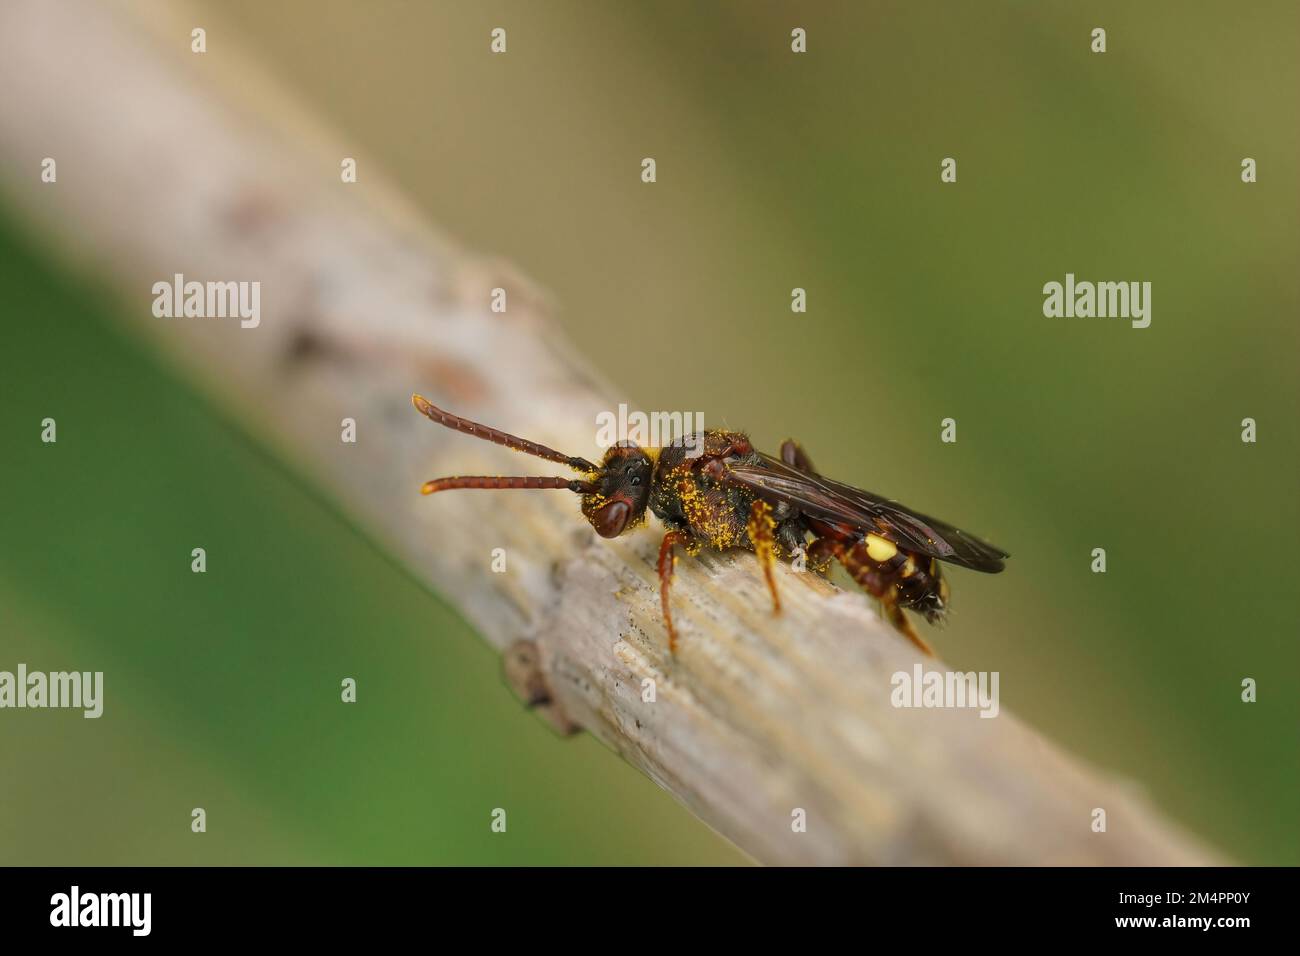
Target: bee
[{"x": 714, "y": 490}]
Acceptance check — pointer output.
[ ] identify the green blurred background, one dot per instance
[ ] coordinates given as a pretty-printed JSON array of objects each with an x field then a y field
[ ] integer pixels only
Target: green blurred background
[{"x": 774, "y": 171}]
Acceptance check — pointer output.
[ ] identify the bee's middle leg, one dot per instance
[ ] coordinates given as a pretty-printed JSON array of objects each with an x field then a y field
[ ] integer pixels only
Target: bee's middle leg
[
  {"x": 792, "y": 454},
  {"x": 762, "y": 535}
]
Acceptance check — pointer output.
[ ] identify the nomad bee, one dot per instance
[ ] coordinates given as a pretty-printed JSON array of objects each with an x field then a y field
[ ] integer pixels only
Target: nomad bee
[{"x": 714, "y": 490}]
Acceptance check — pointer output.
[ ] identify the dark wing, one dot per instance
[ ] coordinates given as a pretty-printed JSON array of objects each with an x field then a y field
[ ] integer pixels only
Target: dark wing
[{"x": 819, "y": 497}]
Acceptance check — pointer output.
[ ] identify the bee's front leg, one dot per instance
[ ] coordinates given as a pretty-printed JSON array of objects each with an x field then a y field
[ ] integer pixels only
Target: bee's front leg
[{"x": 667, "y": 564}]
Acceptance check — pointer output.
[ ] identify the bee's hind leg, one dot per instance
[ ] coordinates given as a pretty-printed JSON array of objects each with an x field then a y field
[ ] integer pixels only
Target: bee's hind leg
[
  {"x": 868, "y": 576},
  {"x": 821, "y": 552},
  {"x": 903, "y": 624}
]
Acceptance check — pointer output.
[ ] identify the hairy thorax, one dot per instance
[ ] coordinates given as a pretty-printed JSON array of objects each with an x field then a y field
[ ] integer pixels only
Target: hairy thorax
[{"x": 689, "y": 491}]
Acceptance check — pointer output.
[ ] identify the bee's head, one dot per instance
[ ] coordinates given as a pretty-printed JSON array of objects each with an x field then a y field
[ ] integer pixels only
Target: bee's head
[
  {"x": 614, "y": 493},
  {"x": 621, "y": 491}
]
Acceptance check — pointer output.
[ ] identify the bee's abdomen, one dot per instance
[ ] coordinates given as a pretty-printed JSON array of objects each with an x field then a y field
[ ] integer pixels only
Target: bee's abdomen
[{"x": 915, "y": 579}]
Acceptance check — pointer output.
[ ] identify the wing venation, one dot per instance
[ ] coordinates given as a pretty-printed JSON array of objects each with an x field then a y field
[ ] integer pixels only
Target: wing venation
[{"x": 831, "y": 500}]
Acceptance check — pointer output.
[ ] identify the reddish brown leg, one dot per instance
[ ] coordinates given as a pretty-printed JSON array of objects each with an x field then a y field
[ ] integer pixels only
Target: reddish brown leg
[
  {"x": 904, "y": 624},
  {"x": 792, "y": 454},
  {"x": 822, "y": 552},
  {"x": 667, "y": 562},
  {"x": 869, "y": 577},
  {"x": 762, "y": 536}
]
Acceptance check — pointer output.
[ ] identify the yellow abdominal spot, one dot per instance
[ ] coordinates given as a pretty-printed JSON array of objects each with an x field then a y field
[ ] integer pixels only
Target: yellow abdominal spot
[{"x": 880, "y": 549}]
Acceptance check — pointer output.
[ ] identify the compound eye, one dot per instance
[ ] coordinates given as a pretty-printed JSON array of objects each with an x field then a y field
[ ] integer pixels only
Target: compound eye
[
  {"x": 636, "y": 480},
  {"x": 609, "y": 520}
]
